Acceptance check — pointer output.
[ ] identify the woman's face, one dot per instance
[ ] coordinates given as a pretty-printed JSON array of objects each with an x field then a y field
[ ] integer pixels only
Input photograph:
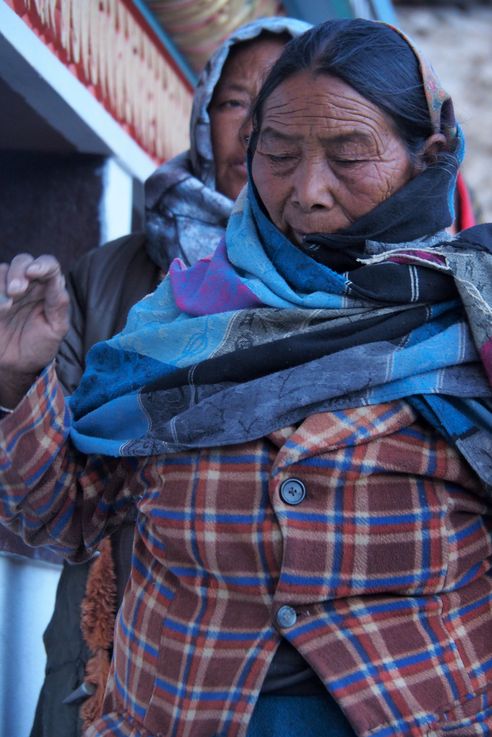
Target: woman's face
[
  {"x": 230, "y": 110},
  {"x": 325, "y": 156}
]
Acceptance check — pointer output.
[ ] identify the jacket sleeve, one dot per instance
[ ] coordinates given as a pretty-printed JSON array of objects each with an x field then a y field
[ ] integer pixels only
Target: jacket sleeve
[
  {"x": 71, "y": 356},
  {"x": 103, "y": 286},
  {"x": 50, "y": 494}
]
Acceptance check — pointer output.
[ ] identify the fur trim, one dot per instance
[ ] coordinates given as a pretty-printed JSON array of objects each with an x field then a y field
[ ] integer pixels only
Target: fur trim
[{"x": 97, "y": 625}]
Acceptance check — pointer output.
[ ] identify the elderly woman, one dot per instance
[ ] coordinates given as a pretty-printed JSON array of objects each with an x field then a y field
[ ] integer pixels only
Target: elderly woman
[{"x": 304, "y": 420}]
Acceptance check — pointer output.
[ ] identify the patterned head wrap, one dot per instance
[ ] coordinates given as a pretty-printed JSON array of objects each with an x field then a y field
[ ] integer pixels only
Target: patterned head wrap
[{"x": 439, "y": 102}]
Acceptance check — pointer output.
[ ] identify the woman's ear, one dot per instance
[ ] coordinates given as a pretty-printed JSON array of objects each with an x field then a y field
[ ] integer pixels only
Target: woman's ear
[{"x": 432, "y": 147}]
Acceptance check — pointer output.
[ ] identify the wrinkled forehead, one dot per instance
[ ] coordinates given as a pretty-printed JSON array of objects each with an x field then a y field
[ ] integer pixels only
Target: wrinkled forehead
[{"x": 319, "y": 104}]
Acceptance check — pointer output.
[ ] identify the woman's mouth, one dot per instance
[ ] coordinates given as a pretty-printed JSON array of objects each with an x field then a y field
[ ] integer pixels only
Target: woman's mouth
[{"x": 298, "y": 235}]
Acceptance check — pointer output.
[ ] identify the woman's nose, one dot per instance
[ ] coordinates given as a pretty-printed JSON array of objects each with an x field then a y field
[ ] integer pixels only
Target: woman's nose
[{"x": 314, "y": 186}]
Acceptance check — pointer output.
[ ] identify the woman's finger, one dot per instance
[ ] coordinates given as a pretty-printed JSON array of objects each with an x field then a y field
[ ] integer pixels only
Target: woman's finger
[
  {"x": 16, "y": 282},
  {"x": 43, "y": 268},
  {"x": 56, "y": 302},
  {"x": 5, "y": 300},
  {"x": 24, "y": 269}
]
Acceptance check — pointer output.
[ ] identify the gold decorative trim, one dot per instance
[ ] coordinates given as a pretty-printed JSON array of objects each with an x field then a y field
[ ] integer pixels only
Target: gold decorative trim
[{"x": 111, "y": 50}]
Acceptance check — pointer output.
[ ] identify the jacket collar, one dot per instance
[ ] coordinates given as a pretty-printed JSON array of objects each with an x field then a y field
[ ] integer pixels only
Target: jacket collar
[{"x": 327, "y": 431}]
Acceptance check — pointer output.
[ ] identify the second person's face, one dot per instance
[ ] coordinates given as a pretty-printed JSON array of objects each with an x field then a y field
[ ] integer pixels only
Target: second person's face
[
  {"x": 230, "y": 110},
  {"x": 325, "y": 156}
]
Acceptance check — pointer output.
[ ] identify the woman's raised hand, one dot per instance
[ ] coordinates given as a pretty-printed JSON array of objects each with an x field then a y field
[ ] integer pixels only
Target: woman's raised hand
[{"x": 34, "y": 317}]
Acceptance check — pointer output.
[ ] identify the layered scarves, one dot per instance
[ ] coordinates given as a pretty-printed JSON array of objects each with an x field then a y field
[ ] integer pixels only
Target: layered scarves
[{"x": 260, "y": 336}]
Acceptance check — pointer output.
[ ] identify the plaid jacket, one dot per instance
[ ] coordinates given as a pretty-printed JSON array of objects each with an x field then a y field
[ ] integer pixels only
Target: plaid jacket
[{"x": 378, "y": 574}]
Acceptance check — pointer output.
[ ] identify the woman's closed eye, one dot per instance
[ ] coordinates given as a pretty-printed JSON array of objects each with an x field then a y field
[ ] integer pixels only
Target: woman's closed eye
[
  {"x": 346, "y": 163},
  {"x": 280, "y": 158}
]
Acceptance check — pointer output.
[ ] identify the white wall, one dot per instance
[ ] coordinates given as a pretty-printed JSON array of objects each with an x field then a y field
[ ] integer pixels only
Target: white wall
[
  {"x": 27, "y": 596},
  {"x": 115, "y": 212}
]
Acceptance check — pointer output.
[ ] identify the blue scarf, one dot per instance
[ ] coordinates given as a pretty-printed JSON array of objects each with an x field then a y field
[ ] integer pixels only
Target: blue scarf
[{"x": 261, "y": 319}]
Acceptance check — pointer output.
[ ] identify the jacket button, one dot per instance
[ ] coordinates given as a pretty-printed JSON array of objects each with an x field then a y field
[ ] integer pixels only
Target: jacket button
[
  {"x": 292, "y": 491},
  {"x": 286, "y": 616}
]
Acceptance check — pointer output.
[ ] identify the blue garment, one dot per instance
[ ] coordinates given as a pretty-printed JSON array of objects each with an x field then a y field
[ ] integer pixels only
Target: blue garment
[{"x": 298, "y": 716}]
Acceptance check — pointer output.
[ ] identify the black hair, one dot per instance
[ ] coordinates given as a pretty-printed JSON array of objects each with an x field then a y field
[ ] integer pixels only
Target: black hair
[{"x": 372, "y": 58}]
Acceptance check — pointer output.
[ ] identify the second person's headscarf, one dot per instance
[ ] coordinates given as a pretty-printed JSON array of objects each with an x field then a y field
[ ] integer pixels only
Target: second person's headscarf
[{"x": 185, "y": 214}]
